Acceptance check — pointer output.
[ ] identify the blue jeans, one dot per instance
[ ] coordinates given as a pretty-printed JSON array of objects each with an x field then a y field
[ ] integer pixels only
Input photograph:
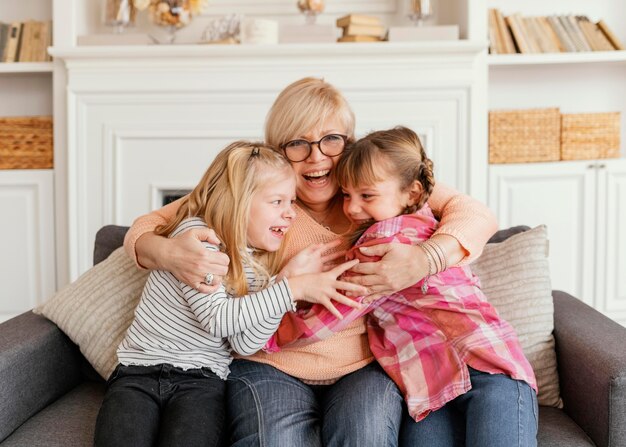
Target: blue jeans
[
  {"x": 497, "y": 411},
  {"x": 161, "y": 406},
  {"x": 268, "y": 408}
]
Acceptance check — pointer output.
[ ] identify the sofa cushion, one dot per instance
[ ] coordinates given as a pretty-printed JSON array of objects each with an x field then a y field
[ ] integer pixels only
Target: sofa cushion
[
  {"x": 515, "y": 277},
  {"x": 70, "y": 421},
  {"x": 108, "y": 239},
  {"x": 96, "y": 309}
]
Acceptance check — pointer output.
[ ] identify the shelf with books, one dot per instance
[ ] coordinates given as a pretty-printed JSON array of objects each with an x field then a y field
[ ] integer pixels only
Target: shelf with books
[
  {"x": 557, "y": 58},
  {"x": 26, "y": 67}
]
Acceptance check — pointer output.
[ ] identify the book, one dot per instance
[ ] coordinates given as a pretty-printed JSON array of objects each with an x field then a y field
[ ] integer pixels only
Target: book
[
  {"x": 588, "y": 29},
  {"x": 519, "y": 33},
  {"x": 12, "y": 47},
  {"x": 556, "y": 44},
  {"x": 359, "y": 39},
  {"x": 599, "y": 37},
  {"x": 26, "y": 46},
  {"x": 617, "y": 44},
  {"x": 357, "y": 19},
  {"x": 505, "y": 33},
  {"x": 578, "y": 33},
  {"x": 4, "y": 34},
  {"x": 495, "y": 40},
  {"x": 564, "y": 38},
  {"x": 364, "y": 30}
]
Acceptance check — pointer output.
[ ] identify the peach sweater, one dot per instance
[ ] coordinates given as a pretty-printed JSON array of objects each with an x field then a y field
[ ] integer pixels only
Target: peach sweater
[{"x": 462, "y": 217}]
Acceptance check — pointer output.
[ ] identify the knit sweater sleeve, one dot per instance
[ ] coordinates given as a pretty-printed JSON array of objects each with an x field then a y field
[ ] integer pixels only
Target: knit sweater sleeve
[
  {"x": 467, "y": 220},
  {"x": 146, "y": 224}
]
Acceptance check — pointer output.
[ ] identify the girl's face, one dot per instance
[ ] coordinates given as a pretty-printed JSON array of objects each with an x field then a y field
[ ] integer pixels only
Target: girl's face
[
  {"x": 316, "y": 184},
  {"x": 380, "y": 201},
  {"x": 271, "y": 211}
]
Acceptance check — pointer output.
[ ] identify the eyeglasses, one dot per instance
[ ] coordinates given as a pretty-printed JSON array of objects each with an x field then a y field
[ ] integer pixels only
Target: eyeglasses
[{"x": 299, "y": 150}]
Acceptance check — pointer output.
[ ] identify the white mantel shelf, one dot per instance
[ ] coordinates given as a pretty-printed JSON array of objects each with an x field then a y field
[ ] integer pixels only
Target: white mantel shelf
[{"x": 439, "y": 48}]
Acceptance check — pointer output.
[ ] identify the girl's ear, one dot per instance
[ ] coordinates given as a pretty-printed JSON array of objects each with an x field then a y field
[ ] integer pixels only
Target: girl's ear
[{"x": 415, "y": 192}]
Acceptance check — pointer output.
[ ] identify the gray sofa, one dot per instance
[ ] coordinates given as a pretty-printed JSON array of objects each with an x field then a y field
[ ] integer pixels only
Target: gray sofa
[{"x": 50, "y": 395}]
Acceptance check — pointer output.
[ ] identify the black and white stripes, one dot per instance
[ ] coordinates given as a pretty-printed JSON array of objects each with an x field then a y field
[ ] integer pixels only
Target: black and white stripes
[{"x": 178, "y": 325}]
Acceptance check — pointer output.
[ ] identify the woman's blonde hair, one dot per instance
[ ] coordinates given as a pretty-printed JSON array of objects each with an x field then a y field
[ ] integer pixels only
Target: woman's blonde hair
[
  {"x": 302, "y": 106},
  {"x": 380, "y": 155},
  {"x": 223, "y": 198}
]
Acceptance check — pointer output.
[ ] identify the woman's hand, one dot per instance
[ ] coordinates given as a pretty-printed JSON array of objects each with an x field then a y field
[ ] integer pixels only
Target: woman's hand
[
  {"x": 312, "y": 260},
  {"x": 400, "y": 266},
  {"x": 185, "y": 256},
  {"x": 323, "y": 288}
]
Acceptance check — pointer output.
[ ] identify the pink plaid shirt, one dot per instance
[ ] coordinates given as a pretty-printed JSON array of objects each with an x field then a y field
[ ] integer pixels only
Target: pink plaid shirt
[{"x": 424, "y": 342}]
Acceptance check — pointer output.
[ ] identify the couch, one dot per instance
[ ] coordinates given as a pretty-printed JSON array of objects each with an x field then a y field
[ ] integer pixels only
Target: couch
[{"x": 50, "y": 395}]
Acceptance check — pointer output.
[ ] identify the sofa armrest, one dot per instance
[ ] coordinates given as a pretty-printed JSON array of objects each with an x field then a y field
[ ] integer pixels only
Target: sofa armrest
[
  {"x": 38, "y": 364},
  {"x": 591, "y": 359}
]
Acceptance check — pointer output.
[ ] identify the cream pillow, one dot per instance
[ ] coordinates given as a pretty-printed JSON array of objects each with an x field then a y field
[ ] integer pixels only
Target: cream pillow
[
  {"x": 515, "y": 277},
  {"x": 95, "y": 310}
]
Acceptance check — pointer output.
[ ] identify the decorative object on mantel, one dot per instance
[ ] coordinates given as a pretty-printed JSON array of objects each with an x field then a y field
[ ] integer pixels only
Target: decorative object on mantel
[
  {"x": 310, "y": 9},
  {"x": 258, "y": 31},
  {"x": 119, "y": 14},
  {"x": 361, "y": 28},
  {"x": 26, "y": 142},
  {"x": 419, "y": 12},
  {"x": 310, "y": 32},
  {"x": 172, "y": 14},
  {"x": 223, "y": 30}
]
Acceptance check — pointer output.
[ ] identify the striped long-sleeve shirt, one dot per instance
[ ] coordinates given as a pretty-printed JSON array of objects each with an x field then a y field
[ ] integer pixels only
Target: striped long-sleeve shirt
[{"x": 178, "y": 325}]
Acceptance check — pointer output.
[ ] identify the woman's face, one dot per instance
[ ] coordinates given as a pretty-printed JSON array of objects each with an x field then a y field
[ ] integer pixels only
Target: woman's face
[{"x": 315, "y": 179}]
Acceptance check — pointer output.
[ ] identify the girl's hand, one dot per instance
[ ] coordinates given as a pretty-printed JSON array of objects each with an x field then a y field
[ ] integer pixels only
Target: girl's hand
[
  {"x": 322, "y": 288},
  {"x": 400, "y": 267},
  {"x": 312, "y": 260},
  {"x": 189, "y": 261}
]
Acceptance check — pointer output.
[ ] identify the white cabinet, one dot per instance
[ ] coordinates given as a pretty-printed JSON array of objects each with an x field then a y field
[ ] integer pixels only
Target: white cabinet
[
  {"x": 583, "y": 203},
  {"x": 27, "y": 264}
]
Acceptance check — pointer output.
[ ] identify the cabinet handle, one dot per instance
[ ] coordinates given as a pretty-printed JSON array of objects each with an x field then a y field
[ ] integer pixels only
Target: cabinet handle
[
  {"x": 601, "y": 166},
  {"x": 591, "y": 166}
]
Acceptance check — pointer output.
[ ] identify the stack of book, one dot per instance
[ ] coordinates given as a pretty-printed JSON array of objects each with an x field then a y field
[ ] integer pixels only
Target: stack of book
[
  {"x": 25, "y": 41},
  {"x": 361, "y": 28},
  {"x": 548, "y": 34}
]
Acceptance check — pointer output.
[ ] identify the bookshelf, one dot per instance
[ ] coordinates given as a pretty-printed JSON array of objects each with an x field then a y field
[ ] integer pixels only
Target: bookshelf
[
  {"x": 27, "y": 196},
  {"x": 583, "y": 201}
]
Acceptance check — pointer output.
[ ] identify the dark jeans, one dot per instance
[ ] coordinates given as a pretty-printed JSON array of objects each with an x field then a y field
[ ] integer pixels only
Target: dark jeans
[{"x": 161, "y": 405}]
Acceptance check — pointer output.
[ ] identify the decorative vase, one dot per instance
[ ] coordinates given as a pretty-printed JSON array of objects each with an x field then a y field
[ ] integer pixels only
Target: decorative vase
[
  {"x": 119, "y": 14},
  {"x": 420, "y": 10},
  {"x": 310, "y": 9}
]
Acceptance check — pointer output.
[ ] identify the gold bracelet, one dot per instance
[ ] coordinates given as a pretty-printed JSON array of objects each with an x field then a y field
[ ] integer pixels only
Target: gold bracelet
[{"x": 440, "y": 255}]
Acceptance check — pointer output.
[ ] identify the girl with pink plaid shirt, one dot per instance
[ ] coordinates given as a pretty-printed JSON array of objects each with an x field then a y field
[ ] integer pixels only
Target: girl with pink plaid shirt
[{"x": 445, "y": 346}]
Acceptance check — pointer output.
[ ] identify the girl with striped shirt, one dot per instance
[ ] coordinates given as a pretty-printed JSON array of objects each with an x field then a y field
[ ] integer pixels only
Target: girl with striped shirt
[{"x": 169, "y": 386}]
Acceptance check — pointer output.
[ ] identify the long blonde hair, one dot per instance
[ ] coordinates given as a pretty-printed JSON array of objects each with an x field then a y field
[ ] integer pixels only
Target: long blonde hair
[
  {"x": 394, "y": 152},
  {"x": 223, "y": 198},
  {"x": 302, "y": 106}
]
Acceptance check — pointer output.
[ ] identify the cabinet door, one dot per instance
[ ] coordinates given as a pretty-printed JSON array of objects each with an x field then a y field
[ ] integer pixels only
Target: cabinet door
[
  {"x": 611, "y": 265},
  {"x": 27, "y": 267},
  {"x": 561, "y": 196}
]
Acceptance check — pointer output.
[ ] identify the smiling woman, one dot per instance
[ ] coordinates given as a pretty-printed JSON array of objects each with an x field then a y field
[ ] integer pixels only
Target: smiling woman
[{"x": 331, "y": 392}]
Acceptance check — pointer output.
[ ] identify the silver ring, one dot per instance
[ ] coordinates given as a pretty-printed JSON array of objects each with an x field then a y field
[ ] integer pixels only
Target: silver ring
[{"x": 208, "y": 279}]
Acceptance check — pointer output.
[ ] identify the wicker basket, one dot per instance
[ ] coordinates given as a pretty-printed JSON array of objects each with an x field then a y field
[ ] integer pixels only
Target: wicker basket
[
  {"x": 26, "y": 142},
  {"x": 524, "y": 136},
  {"x": 590, "y": 135}
]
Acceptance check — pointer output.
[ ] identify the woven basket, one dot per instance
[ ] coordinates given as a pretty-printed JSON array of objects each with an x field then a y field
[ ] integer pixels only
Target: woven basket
[
  {"x": 524, "y": 136},
  {"x": 26, "y": 142},
  {"x": 590, "y": 135}
]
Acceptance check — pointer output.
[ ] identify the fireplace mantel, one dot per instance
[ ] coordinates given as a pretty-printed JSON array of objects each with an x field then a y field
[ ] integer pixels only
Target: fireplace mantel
[{"x": 147, "y": 120}]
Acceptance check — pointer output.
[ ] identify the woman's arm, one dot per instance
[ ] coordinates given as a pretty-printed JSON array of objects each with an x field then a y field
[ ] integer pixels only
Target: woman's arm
[
  {"x": 465, "y": 227},
  {"x": 184, "y": 255}
]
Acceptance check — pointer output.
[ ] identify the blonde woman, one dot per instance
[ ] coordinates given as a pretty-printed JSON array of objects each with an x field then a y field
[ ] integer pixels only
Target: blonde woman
[{"x": 332, "y": 392}]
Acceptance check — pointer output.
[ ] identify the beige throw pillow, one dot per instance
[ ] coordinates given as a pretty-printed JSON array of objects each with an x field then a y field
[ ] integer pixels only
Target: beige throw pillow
[
  {"x": 96, "y": 309},
  {"x": 515, "y": 277}
]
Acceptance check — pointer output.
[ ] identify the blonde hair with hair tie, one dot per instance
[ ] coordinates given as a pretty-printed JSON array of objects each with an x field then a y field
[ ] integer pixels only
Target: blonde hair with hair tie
[{"x": 223, "y": 198}]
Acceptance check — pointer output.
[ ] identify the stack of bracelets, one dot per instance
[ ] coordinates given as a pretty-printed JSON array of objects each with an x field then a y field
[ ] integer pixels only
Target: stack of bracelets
[{"x": 436, "y": 258}]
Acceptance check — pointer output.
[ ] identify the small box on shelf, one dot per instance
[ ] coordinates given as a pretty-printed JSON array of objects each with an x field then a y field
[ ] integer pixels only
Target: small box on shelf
[
  {"x": 586, "y": 136},
  {"x": 524, "y": 136},
  {"x": 26, "y": 142}
]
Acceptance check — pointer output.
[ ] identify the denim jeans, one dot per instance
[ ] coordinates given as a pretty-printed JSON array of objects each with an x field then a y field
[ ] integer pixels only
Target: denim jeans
[
  {"x": 497, "y": 411},
  {"x": 268, "y": 408},
  {"x": 161, "y": 405}
]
